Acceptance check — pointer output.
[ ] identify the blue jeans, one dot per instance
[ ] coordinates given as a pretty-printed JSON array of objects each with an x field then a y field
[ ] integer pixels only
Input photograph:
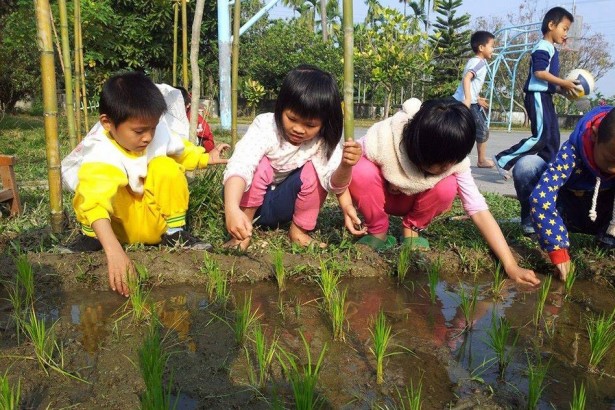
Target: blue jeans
[{"x": 526, "y": 173}]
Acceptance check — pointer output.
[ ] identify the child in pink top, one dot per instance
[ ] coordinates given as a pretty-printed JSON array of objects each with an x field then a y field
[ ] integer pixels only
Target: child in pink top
[
  {"x": 283, "y": 167},
  {"x": 413, "y": 165}
]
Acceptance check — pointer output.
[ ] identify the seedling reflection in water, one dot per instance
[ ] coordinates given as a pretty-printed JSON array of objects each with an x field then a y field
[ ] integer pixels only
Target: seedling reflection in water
[
  {"x": 601, "y": 331},
  {"x": 302, "y": 378},
  {"x": 433, "y": 275}
]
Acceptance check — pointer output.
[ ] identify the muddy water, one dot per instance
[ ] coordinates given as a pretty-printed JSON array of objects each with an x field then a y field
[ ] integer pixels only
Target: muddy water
[{"x": 431, "y": 345}]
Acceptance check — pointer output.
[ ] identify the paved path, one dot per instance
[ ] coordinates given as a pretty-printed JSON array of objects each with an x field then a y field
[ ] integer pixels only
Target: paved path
[{"x": 488, "y": 180}]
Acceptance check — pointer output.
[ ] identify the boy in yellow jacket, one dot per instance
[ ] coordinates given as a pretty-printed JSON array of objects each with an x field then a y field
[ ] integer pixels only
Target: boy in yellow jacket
[{"x": 128, "y": 176}]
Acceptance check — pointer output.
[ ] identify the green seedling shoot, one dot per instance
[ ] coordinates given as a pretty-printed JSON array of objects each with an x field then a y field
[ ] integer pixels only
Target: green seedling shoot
[
  {"x": 601, "y": 332},
  {"x": 499, "y": 334},
  {"x": 536, "y": 374},
  {"x": 337, "y": 314},
  {"x": 244, "y": 319},
  {"x": 278, "y": 269},
  {"x": 9, "y": 396},
  {"x": 381, "y": 337},
  {"x": 403, "y": 263},
  {"x": 578, "y": 398},
  {"x": 467, "y": 304},
  {"x": 541, "y": 299}
]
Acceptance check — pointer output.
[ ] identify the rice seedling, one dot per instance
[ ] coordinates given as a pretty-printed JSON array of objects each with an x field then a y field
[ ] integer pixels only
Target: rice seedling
[
  {"x": 433, "y": 276},
  {"x": 572, "y": 276},
  {"x": 303, "y": 378},
  {"x": 329, "y": 279},
  {"x": 578, "y": 398},
  {"x": 403, "y": 263},
  {"x": 264, "y": 354},
  {"x": 152, "y": 361},
  {"x": 244, "y": 319},
  {"x": 43, "y": 338},
  {"x": 467, "y": 304},
  {"x": 381, "y": 337},
  {"x": 138, "y": 296},
  {"x": 337, "y": 314},
  {"x": 9, "y": 396},
  {"x": 498, "y": 281},
  {"x": 541, "y": 299},
  {"x": 25, "y": 279},
  {"x": 278, "y": 268},
  {"x": 536, "y": 374},
  {"x": 413, "y": 399},
  {"x": 601, "y": 331},
  {"x": 217, "y": 284},
  {"x": 499, "y": 334}
]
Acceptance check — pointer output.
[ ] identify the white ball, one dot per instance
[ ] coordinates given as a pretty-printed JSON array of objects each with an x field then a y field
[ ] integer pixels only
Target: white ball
[{"x": 586, "y": 83}]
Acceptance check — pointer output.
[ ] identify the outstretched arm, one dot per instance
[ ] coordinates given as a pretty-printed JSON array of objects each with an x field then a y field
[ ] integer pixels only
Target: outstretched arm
[{"x": 119, "y": 264}]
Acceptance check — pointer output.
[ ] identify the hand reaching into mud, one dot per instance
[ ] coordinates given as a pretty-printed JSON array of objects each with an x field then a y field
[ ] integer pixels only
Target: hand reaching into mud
[
  {"x": 563, "y": 269},
  {"x": 523, "y": 276},
  {"x": 352, "y": 221}
]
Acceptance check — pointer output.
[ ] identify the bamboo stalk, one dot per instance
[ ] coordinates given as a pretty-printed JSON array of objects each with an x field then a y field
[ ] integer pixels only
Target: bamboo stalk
[
  {"x": 50, "y": 107},
  {"x": 348, "y": 72},
  {"x": 194, "y": 66},
  {"x": 235, "y": 72},
  {"x": 56, "y": 38},
  {"x": 77, "y": 66},
  {"x": 185, "y": 44},
  {"x": 175, "y": 21},
  {"x": 84, "y": 93},
  {"x": 68, "y": 75}
]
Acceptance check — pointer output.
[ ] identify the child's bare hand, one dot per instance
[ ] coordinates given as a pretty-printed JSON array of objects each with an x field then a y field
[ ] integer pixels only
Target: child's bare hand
[
  {"x": 120, "y": 268},
  {"x": 238, "y": 224},
  {"x": 570, "y": 87},
  {"x": 351, "y": 153},
  {"x": 215, "y": 155},
  {"x": 483, "y": 103},
  {"x": 563, "y": 269},
  {"x": 523, "y": 276},
  {"x": 353, "y": 222}
]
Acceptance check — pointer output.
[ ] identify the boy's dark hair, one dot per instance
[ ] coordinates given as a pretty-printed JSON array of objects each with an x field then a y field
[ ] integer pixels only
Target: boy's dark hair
[
  {"x": 310, "y": 92},
  {"x": 131, "y": 95},
  {"x": 555, "y": 16},
  {"x": 185, "y": 95},
  {"x": 442, "y": 132},
  {"x": 606, "y": 129},
  {"x": 480, "y": 38}
]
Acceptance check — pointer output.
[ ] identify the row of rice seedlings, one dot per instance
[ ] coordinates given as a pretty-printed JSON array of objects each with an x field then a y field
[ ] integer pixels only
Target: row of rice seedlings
[
  {"x": 601, "y": 331},
  {"x": 303, "y": 378},
  {"x": 278, "y": 269},
  {"x": 499, "y": 334},
  {"x": 543, "y": 292},
  {"x": 572, "y": 276},
  {"x": 329, "y": 280},
  {"x": 264, "y": 355},
  {"x": 433, "y": 276},
  {"x": 9, "y": 396},
  {"x": 578, "y": 398},
  {"x": 244, "y": 319},
  {"x": 498, "y": 281},
  {"x": 217, "y": 283},
  {"x": 467, "y": 304},
  {"x": 381, "y": 337},
  {"x": 152, "y": 361},
  {"x": 536, "y": 375},
  {"x": 403, "y": 263}
]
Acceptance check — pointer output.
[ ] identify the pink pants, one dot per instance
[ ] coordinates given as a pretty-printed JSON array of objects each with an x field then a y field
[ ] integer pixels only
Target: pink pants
[
  {"x": 307, "y": 203},
  {"x": 370, "y": 195}
]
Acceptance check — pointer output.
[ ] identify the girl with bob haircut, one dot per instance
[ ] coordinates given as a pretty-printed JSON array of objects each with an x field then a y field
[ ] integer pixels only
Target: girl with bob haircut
[
  {"x": 283, "y": 167},
  {"x": 413, "y": 166}
]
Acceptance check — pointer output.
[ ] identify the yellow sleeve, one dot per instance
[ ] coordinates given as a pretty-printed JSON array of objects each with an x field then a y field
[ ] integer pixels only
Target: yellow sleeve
[
  {"x": 98, "y": 184},
  {"x": 192, "y": 157}
]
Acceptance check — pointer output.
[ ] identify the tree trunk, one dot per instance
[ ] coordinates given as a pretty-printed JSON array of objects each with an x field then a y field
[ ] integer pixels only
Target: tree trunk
[
  {"x": 235, "y": 72},
  {"x": 348, "y": 70},
  {"x": 50, "y": 107},
  {"x": 185, "y": 44},
  {"x": 175, "y": 21},
  {"x": 194, "y": 66},
  {"x": 68, "y": 75},
  {"x": 387, "y": 103},
  {"x": 323, "y": 20},
  {"x": 76, "y": 24}
]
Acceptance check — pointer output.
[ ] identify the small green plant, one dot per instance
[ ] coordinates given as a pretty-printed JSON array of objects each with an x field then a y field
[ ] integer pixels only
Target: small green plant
[
  {"x": 337, "y": 314},
  {"x": 9, "y": 396},
  {"x": 499, "y": 334},
  {"x": 139, "y": 297},
  {"x": 329, "y": 279},
  {"x": 433, "y": 276},
  {"x": 572, "y": 276},
  {"x": 43, "y": 338},
  {"x": 152, "y": 361},
  {"x": 578, "y": 398},
  {"x": 264, "y": 354},
  {"x": 498, "y": 281},
  {"x": 217, "y": 283},
  {"x": 403, "y": 263},
  {"x": 381, "y": 337},
  {"x": 467, "y": 304},
  {"x": 25, "y": 279},
  {"x": 303, "y": 378},
  {"x": 278, "y": 268},
  {"x": 413, "y": 399},
  {"x": 541, "y": 299},
  {"x": 601, "y": 331},
  {"x": 244, "y": 319},
  {"x": 536, "y": 373}
]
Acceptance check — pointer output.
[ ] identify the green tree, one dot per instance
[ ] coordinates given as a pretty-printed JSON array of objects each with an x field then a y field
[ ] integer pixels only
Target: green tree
[{"x": 451, "y": 45}]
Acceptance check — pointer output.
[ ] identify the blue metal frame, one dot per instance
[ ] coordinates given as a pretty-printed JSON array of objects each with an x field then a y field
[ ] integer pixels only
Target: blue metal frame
[{"x": 512, "y": 44}]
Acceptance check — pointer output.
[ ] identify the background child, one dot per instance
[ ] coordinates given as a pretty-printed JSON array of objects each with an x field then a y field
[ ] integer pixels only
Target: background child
[
  {"x": 287, "y": 161},
  {"x": 129, "y": 184},
  {"x": 468, "y": 92},
  {"x": 577, "y": 189},
  {"x": 203, "y": 130},
  {"x": 405, "y": 171},
  {"x": 532, "y": 154}
]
